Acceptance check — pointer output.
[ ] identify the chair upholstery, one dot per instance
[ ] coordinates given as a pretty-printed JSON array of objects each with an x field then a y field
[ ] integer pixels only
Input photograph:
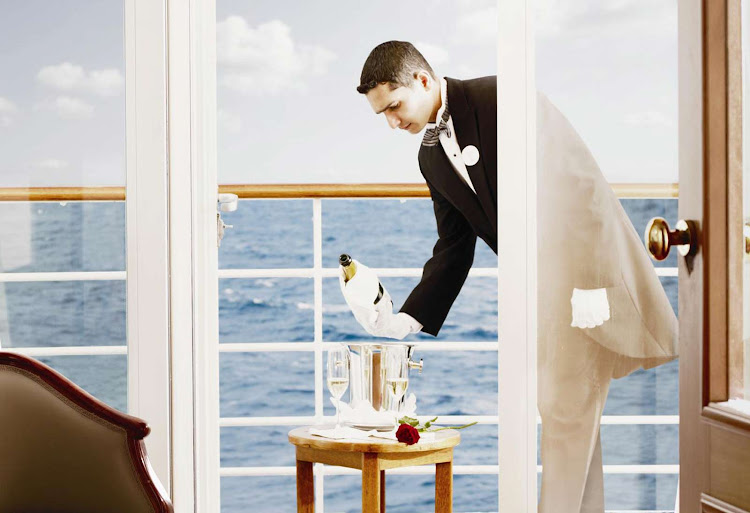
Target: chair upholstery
[{"x": 64, "y": 451}]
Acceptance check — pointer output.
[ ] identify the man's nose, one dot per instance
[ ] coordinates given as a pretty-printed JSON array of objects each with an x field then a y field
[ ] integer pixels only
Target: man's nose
[{"x": 393, "y": 120}]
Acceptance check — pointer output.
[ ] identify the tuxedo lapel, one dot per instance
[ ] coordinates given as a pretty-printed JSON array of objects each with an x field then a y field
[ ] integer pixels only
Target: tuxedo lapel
[
  {"x": 440, "y": 173},
  {"x": 467, "y": 132}
]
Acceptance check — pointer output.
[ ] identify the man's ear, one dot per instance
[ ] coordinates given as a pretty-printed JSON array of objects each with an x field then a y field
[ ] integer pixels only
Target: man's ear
[{"x": 424, "y": 79}]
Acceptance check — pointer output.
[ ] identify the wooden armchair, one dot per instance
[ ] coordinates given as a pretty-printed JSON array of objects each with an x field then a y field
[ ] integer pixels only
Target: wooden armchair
[{"x": 64, "y": 451}]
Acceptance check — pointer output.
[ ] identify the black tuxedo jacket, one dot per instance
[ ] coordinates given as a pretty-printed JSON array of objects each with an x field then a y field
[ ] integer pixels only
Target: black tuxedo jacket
[{"x": 461, "y": 215}]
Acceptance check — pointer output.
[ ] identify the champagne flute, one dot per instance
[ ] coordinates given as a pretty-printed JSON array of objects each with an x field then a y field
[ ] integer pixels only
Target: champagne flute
[
  {"x": 396, "y": 370},
  {"x": 338, "y": 375}
]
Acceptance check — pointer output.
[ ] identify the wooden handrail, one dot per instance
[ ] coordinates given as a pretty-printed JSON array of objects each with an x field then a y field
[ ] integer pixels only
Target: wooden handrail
[
  {"x": 298, "y": 191},
  {"x": 647, "y": 190},
  {"x": 62, "y": 194},
  {"x": 329, "y": 190}
]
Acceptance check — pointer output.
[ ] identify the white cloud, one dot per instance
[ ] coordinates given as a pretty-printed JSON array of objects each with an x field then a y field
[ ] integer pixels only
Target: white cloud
[
  {"x": 6, "y": 109},
  {"x": 446, "y": 5},
  {"x": 596, "y": 18},
  {"x": 649, "y": 118},
  {"x": 435, "y": 55},
  {"x": 52, "y": 164},
  {"x": 68, "y": 107},
  {"x": 228, "y": 121},
  {"x": 65, "y": 76},
  {"x": 266, "y": 59},
  {"x": 477, "y": 26},
  {"x": 106, "y": 82},
  {"x": 7, "y": 105},
  {"x": 73, "y": 78}
]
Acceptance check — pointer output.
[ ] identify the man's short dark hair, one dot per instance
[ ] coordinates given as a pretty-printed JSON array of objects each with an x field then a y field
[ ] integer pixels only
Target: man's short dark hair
[{"x": 394, "y": 62}]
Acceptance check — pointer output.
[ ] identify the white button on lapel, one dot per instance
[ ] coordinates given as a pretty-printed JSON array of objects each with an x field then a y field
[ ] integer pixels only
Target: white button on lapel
[{"x": 470, "y": 155}]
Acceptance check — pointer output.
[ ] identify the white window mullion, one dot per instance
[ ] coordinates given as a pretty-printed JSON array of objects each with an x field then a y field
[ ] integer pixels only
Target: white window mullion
[
  {"x": 181, "y": 255},
  {"x": 318, "y": 336},
  {"x": 146, "y": 206},
  {"x": 205, "y": 254},
  {"x": 516, "y": 257},
  {"x": 318, "y": 304}
]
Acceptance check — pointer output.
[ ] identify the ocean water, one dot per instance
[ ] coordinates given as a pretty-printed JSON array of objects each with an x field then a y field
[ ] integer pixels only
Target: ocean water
[{"x": 278, "y": 234}]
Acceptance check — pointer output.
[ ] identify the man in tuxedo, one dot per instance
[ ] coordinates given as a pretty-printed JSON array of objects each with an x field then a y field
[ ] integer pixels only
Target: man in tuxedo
[
  {"x": 602, "y": 310},
  {"x": 458, "y": 159}
]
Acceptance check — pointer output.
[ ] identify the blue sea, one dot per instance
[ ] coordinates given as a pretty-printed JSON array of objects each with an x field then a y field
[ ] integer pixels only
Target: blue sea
[{"x": 279, "y": 234}]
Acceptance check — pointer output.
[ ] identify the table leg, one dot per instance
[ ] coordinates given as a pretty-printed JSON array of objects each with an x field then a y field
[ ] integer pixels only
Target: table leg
[
  {"x": 305, "y": 487},
  {"x": 382, "y": 491},
  {"x": 444, "y": 487},
  {"x": 370, "y": 483}
]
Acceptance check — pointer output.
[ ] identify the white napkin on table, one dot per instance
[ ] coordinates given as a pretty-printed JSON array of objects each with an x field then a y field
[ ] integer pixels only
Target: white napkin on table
[
  {"x": 350, "y": 433},
  {"x": 342, "y": 432},
  {"x": 365, "y": 415},
  {"x": 391, "y": 435}
]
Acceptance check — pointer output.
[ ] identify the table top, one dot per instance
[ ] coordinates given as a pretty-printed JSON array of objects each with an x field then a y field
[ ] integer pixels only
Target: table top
[{"x": 302, "y": 437}]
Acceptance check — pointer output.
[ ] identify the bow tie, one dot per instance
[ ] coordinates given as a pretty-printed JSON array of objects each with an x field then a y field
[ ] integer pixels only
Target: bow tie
[{"x": 432, "y": 135}]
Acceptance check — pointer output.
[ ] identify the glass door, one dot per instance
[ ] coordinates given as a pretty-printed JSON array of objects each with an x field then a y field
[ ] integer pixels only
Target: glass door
[
  {"x": 613, "y": 97},
  {"x": 62, "y": 191},
  {"x": 318, "y": 174},
  {"x": 715, "y": 428},
  {"x": 76, "y": 261}
]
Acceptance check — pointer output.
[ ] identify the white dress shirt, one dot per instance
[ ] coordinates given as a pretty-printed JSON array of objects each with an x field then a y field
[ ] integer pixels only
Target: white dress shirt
[{"x": 450, "y": 142}]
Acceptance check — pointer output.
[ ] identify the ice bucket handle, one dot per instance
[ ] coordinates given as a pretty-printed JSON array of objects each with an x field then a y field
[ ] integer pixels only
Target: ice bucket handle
[{"x": 415, "y": 365}]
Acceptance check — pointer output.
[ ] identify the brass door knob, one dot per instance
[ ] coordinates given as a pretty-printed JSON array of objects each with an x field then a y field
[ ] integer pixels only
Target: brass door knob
[{"x": 659, "y": 239}]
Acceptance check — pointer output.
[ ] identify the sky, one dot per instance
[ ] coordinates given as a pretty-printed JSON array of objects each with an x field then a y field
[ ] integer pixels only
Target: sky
[{"x": 288, "y": 110}]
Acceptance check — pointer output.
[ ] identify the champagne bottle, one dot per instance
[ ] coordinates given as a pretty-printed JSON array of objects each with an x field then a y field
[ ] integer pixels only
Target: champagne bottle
[{"x": 350, "y": 269}]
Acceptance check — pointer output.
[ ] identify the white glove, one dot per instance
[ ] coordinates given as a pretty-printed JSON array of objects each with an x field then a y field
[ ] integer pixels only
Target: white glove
[
  {"x": 395, "y": 326},
  {"x": 590, "y": 308}
]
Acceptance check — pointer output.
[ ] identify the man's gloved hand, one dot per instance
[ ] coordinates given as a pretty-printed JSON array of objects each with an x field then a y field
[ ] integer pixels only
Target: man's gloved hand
[
  {"x": 390, "y": 325},
  {"x": 590, "y": 308}
]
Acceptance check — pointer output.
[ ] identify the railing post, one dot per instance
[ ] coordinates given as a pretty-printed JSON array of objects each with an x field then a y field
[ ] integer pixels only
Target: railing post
[{"x": 318, "y": 334}]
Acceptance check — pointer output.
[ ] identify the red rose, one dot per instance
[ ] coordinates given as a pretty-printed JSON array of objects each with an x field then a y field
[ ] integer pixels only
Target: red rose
[{"x": 407, "y": 434}]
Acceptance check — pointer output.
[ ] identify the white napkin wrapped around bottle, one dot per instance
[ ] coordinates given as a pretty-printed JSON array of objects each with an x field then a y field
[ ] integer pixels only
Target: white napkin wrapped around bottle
[{"x": 360, "y": 293}]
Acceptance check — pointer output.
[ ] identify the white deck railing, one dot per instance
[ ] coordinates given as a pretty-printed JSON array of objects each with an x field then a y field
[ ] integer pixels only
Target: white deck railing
[{"x": 318, "y": 346}]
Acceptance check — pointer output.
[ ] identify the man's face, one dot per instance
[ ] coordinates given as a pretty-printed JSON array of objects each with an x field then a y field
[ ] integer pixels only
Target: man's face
[{"x": 407, "y": 108}]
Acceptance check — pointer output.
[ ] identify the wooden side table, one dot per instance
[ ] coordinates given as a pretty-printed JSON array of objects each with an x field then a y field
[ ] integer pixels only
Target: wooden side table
[{"x": 373, "y": 457}]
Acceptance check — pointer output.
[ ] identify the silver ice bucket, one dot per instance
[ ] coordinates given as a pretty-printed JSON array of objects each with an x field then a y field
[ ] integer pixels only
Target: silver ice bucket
[{"x": 366, "y": 377}]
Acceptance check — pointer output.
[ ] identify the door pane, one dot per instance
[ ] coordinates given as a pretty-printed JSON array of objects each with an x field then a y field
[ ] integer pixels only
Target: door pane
[
  {"x": 289, "y": 112},
  {"x": 62, "y": 124},
  {"x": 619, "y": 94}
]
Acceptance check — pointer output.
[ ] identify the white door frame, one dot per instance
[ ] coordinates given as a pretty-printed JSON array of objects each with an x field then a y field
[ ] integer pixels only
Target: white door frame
[
  {"x": 205, "y": 254},
  {"x": 517, "y": 257},
  {"x": 193, "y": 258},
  {"x": 146, "y": 207},
  {"x": 193, "y": 254},
  {"x": 172, "y": 258}
]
